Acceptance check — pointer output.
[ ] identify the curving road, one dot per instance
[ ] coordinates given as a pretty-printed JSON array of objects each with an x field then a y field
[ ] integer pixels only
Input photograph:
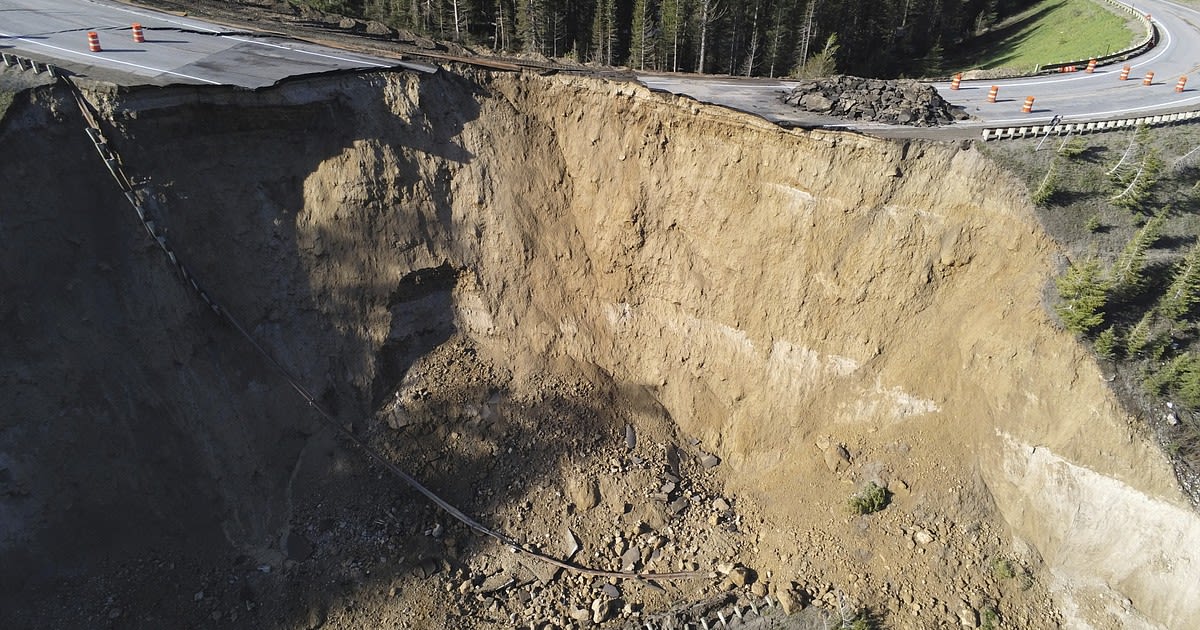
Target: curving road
[
  {"x": 177, "y": 49},
  {"x": 1076, "y": 97},
  {"x": 1080, "y": 96},
  {"x": 184, "y": 50}
]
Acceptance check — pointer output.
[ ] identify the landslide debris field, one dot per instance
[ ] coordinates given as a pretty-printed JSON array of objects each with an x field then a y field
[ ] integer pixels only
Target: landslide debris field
[{"x": 621, "y": 327}]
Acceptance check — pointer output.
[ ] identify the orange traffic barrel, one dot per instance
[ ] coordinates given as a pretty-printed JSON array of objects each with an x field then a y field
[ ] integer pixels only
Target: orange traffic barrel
[
  {"x": 93, "y": 41},
  {"x": 1125, "y": 72},
  {"x": 1149, "y": 78},
  {"x": 1028, "y": 107},
  {"x": 1181, "y": 84},
  {"x": 955, "y": 81},
  {"x": 992, "y": 93},
  {"x": 138, "y": 36},
  {"x": 1091, "y": 66}
]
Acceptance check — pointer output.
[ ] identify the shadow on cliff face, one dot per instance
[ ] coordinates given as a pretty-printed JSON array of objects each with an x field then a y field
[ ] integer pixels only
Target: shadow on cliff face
[
  {"x": 137, "y": 420},
  {"x": 144, "y": 431}
]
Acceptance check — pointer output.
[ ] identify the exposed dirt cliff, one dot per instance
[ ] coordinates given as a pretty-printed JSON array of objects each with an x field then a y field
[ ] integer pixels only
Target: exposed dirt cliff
[{"x": 489, "y": 278}]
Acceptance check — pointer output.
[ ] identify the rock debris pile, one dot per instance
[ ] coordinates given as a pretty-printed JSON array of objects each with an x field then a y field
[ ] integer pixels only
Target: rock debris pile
[{"x": 902, "y": 102}]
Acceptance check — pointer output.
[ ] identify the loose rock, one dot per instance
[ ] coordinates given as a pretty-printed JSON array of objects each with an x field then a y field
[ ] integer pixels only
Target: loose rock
[
  {"x": 903, "y": 102},
  {"x": 585, "y": 494},
  {"x": 601, "y": 610},
  {"x": 741, "y": 576},
  {"x": 788, "y": 602}
]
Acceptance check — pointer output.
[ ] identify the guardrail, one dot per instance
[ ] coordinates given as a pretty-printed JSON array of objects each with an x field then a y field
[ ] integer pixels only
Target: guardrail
[
  {"x": 25, "y": 63},
  {"x": 1062, "y": 129},
  {"x": 1146, "y": 44}
]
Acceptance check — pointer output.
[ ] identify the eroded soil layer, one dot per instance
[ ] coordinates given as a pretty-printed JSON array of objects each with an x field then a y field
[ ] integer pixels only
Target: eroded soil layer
[{"x": 673, "y": 336}]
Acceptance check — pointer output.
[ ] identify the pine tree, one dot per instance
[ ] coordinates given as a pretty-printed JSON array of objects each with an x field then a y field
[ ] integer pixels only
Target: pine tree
[
  {"x": 1127, "y": 272},
  {"x": 823, "y": 63},
  {"x": 710, "y": 11},
  {"x": 531, "y": 20},
  {"x": 1138, "y": 337},
  {"x": 642, "y": 35},
  {"x": 1045, "y": 191},
  {"x": 1106, "y": 343},
  {"x": 1083, "y": 291},
  {"x": 778, "y": 35},
  {"x": 752, "y": 52},
  {"x": 604, "y": 31},
  {"x": 1183, "y": 295},
  {"x": 674, "y": 32}
]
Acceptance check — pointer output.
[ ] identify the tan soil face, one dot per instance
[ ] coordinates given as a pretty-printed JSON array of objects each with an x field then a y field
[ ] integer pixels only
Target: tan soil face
[{"x": 490, "y": 277}]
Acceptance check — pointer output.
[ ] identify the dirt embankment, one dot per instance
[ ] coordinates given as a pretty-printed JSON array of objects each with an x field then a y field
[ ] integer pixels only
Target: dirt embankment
[{"x": 489, "y": 278}]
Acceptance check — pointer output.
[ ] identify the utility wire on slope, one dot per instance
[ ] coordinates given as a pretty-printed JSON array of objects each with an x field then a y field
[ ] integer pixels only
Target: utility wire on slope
[{"x": 113, "y": 163}]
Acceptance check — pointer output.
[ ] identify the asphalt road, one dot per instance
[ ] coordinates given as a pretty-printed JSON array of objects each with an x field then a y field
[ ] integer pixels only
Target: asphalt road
[
  {"x": 176, "y": 50},
  {"x": 1077, "y": 97},
  {"x": 185, "y": 50}
]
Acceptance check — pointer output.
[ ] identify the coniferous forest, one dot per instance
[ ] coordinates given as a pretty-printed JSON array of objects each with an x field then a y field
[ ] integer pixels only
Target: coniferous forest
[{"x": 771, "y": 38}]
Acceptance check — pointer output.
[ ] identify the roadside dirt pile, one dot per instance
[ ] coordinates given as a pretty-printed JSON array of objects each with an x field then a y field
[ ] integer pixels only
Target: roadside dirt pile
[
  {"x": 623, "y": 327},
  {"x": 896, "y": 102}
]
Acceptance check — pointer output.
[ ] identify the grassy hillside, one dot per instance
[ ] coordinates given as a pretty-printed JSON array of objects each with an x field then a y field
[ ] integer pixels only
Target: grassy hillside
[
  {"x": 1126, "y": 206},
  {"x": 1047, "y": 32}
]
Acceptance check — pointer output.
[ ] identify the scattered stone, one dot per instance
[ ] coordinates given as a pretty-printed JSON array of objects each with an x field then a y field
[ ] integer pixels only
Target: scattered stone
[
  {"x": 630, "y": 437},
  {"x": 968, "y": 618},
  {"x": 720, "y": 504},
  {"x": 579, "y": 614},
  {"x": 543, "y": 571},
  {"x": 673, "y": 459},
  {"x": 316, "y": 618},
  {"x": 677, "y": 505},
  {"x": 897, "y": 487},
  {"x": 709, "y": 461},
  {"x": 571, "y": 546},
  {"x": 759, "y": 588},
  {"x": 922, "y": 537},
  {"x": 584, "y": 494},
  {"x": 631, "y": 558},
  {"x": 611, "y": 591},
  {"x": 114, "y": 613},
  {"x": 496, "y": 582},
  {"x": 601, "y": 610},
  {"x": 198, "y": 596},
  {"x": 426, "y": 568},
  {"x": 465, "y": 587},
  {"x": 297, "y": 547},
  {"x": 788, "y": 602},
  {"x": 837, "y": 458},
  {"x": 741, "y": 576},
  {"x": 667, "y": 488}
]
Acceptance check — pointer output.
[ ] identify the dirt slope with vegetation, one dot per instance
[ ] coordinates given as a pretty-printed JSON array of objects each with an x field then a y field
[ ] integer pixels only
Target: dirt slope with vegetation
[{"x": 621, "y": 326}]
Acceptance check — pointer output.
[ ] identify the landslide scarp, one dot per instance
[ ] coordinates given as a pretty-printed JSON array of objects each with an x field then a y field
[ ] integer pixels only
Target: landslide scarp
[{"x": 489, "y": 277}]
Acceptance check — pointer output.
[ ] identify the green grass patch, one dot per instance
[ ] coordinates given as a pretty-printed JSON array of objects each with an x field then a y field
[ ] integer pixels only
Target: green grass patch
[
  {"x": 872, "y": 498},
  {"x": 1050, "y": 31}
]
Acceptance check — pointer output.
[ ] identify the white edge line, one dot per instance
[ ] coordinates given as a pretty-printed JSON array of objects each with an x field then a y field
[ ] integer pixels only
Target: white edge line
[
  {"x": 201, "y": 27},
  {"x": 1163, "y": 50},
  {"x": 162, "y": 18},
  {"x": 107, "y": 59},
  {"x": 308, "y": 52}
]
